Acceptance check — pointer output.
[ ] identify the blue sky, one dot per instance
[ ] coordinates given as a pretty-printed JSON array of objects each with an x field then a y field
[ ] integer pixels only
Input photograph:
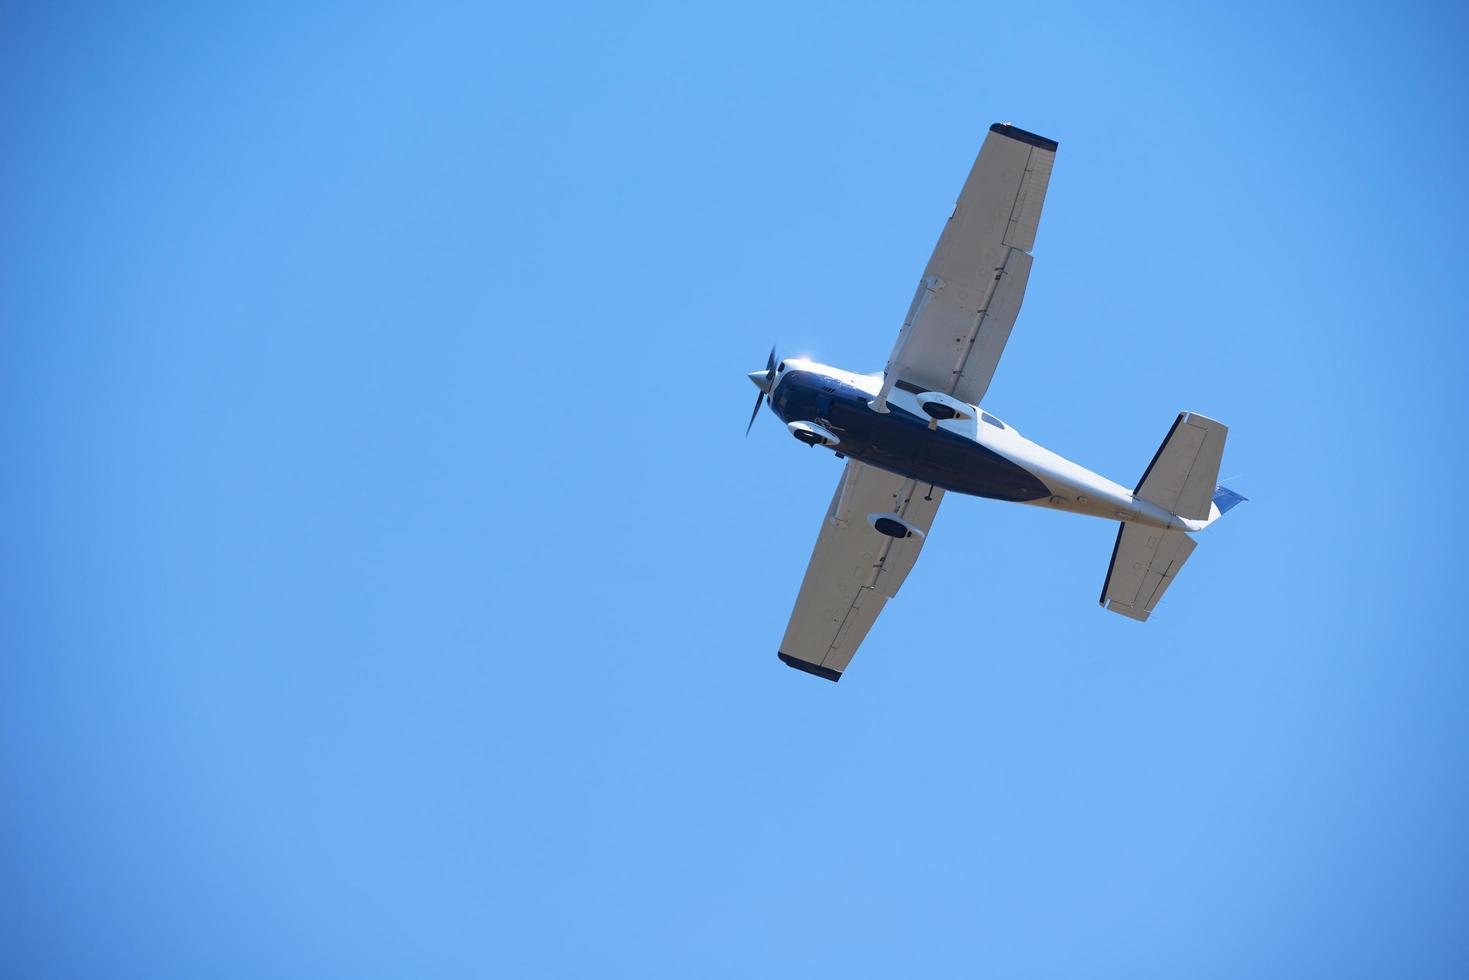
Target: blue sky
[{"x": 387, "y": 588}]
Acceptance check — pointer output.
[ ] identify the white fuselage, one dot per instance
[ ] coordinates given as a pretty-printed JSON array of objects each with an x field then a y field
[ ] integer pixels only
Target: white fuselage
[{"x": 1072, "y": 487}]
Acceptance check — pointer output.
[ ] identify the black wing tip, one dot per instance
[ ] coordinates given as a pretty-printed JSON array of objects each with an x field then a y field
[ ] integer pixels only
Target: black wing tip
[
  {"x": 825, "y": 673},
  {"x": 1016, "y": 133}
]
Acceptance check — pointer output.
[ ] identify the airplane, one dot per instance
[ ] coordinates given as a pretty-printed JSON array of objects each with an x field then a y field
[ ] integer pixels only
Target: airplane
[{"x": 917, "y": 431}]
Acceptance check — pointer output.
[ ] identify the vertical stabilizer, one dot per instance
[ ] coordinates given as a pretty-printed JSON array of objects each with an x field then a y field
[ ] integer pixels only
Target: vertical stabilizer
[{"x": 1225, "y": 498}]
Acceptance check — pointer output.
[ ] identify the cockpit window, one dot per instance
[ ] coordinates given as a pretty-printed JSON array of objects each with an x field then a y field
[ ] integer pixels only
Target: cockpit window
[
  {"x": 992, "y": 420},
  {"x": 781, "y": 368}
]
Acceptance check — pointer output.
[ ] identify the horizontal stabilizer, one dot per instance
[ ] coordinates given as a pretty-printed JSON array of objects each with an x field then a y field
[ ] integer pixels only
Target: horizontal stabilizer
[
  {"x": 1144, "y": 562},
  {"x": 1182, "y": 476}
]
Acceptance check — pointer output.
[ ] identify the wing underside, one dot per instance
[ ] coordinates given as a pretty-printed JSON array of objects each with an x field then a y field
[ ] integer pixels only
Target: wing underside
[
  {"x": 951, "y": 341},
  {"x": 854, "y": 569},
  {"x": 972, "y": 288}
]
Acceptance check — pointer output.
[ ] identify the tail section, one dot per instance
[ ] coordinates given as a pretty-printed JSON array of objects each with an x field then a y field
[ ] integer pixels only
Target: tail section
[{"x": 1182, "y": 479}]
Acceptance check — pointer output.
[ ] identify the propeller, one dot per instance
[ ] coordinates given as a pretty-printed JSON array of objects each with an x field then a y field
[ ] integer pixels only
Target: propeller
[{"x": 765, "y": 381}]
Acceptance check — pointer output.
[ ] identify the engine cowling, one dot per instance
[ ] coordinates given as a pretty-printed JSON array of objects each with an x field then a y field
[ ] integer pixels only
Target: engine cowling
[{"x": 812, "y": 434}]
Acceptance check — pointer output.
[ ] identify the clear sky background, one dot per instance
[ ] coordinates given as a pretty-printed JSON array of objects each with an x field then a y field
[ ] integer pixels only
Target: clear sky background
[{"x": 387, "y": 588}]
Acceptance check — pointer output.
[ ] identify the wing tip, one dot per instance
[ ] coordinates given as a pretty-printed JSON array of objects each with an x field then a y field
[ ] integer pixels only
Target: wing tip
[
  {"x": 1131, "y": 612},
  {"x": 1023, "y": 136},
  {"x": 825, "y": 673}
]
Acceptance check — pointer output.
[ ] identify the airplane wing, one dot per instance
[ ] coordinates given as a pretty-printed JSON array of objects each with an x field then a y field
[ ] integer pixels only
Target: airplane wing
[
  {"x": 854, "y": 569},
  {"x": 971, "y": 290}
]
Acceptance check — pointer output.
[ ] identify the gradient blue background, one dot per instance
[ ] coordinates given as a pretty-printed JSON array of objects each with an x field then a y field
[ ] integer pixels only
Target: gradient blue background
[{"x": 388, "y": 590}]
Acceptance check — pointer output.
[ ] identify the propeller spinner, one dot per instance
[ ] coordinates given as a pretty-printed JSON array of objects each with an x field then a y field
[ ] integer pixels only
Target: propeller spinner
[{"x": 765, "y": 381}]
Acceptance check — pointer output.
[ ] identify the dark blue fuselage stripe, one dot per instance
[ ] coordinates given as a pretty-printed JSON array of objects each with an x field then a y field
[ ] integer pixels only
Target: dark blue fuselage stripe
[{"x": 901, "y": 442}]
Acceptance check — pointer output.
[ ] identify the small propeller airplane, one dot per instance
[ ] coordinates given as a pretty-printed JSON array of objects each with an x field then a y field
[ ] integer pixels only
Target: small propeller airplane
[{"x": 917, "y": 431}]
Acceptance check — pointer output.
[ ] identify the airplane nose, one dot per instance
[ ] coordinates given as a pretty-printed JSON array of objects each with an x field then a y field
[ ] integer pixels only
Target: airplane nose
[{"x": 760, "y": 379}]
